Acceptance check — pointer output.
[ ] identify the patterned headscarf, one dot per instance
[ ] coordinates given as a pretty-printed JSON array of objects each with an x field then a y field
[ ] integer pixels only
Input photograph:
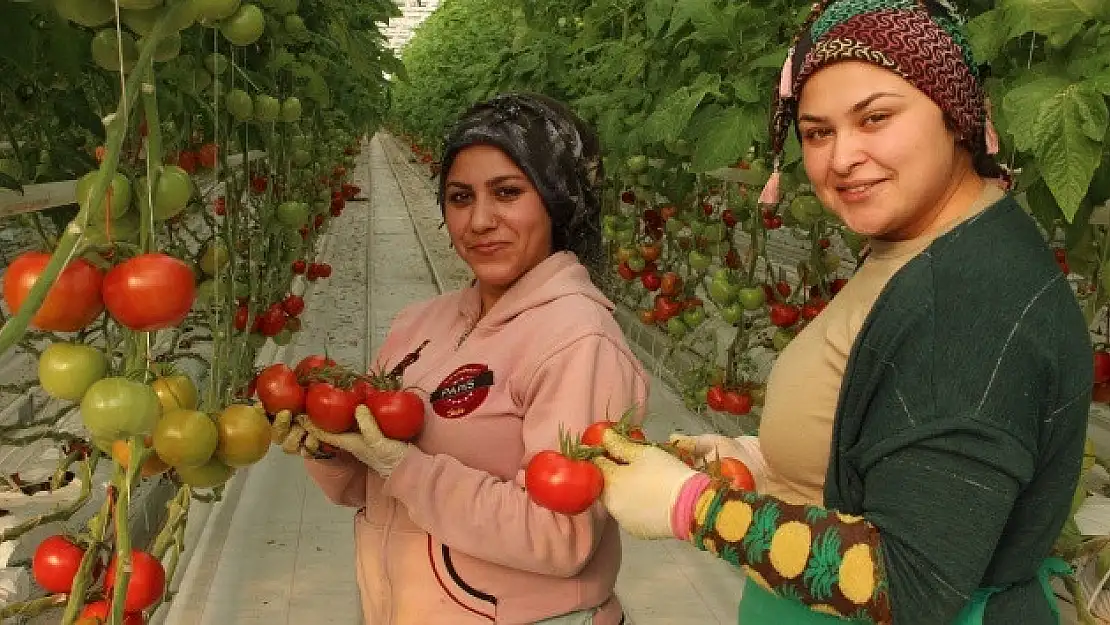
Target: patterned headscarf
[
  {"x": 557, "y": 150},
  {"x": 923, "y": 41}
]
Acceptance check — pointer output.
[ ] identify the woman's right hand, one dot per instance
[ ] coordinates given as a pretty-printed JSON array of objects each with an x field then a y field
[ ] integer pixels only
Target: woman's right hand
[
  {"x": 292, "y": 437},
  {"x": 708, "y": 447}
]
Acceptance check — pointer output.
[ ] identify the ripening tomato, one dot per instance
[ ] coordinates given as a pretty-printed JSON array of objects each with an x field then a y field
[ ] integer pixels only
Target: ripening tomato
[
  {"x": 399, "y": 414},
  {"x": 244, "y": 435},
  {"x": 278, "y": 389},
  {"x": 146, "y": 584},
  {"x": 150, "y": 292},
  {"x": 561, "y": 484},
  {"x": 73, "y": 301},
  {"x": 735, "y": 471},
  {"x": 593, "y": 433},
  {"x": 331, "y": 408},
  {"x": 98, "y": 612}
]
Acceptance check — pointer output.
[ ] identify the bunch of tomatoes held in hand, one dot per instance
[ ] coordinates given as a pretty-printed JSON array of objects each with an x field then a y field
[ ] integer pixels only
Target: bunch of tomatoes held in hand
[
  {"x": 567, "y": 482},
  {"x": 329, "y": 393}
]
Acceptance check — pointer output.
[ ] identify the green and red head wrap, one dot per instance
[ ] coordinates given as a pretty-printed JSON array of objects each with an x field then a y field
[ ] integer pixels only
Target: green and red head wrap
[{"x": 923, "y": 41}]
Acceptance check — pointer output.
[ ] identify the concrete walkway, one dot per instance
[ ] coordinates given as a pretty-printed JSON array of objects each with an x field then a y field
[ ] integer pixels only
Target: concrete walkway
[{"x": 276, "y": 552}]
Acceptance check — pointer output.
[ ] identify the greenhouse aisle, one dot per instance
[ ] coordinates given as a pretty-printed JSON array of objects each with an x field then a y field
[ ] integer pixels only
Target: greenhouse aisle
[{"x": 279, "y": 553}]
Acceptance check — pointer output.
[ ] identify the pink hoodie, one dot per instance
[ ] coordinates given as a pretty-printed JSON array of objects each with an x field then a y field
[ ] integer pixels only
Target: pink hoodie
[{"x": 451, "y": 538}]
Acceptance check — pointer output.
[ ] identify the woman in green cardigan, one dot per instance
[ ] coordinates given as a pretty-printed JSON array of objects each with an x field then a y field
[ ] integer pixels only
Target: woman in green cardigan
[{"x": 922, "y": 438}]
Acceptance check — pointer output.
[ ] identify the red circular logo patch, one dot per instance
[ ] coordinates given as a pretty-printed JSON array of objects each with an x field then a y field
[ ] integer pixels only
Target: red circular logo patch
[{"x": 461, "y": 392}]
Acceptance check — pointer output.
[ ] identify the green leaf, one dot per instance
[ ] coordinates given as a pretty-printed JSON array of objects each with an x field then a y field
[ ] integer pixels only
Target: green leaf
[
  {"x": 1067, "y": 153},
  {"x": 988, "y": 34},
  {"x": 1048, "y": 17},
  {"x": 1022, "y": 107},
  {"x": 1100, "y": 83},
  {"x": 669, "y": 119},
  {"x": 701, "y": 13},
  {"x": 656, "y": 14},
  {"x": 726, "y": 138},
  {"x": 747, "y": 89},
  {"x": 773, "y": 60}
]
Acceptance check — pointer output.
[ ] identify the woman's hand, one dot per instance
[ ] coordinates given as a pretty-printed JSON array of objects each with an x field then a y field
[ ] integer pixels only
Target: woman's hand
[
  {"x": 292, "y": 437},
  {"x": 641, "y": 495},
  {"x": 368, "y": 444},
  {"x": 707, "y": 447}
]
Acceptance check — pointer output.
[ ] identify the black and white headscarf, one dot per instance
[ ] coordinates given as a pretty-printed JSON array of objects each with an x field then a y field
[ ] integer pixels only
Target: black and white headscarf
[{"x": 556, "y": 150}]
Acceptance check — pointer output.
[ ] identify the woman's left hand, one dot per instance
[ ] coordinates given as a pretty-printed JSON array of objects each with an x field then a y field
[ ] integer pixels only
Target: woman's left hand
[
  {"x": 368, "y": 444},
  {"x": 641, "y": 494}
]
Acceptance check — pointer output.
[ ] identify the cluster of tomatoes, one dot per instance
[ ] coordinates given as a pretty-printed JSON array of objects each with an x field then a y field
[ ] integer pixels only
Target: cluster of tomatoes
[
  {"x": 205, "y": 156},
  {"x": 148, "y": 292},
  {"x": 277, "y": 318},
  {"x": 329, "y": 394},
  {"x": 788, "y": 315},
  {"x": 57, "y": 561}
]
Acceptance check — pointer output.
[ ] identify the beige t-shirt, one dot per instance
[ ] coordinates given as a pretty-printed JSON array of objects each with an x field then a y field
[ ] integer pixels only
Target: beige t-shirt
[{"x": 795, "y": 432}]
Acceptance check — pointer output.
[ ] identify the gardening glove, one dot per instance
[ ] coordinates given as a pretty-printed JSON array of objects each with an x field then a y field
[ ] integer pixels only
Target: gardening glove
[
  {"x": 293, "y": 438},
  {"x": 706, "y": 447},
  {"x": 640, "y": 495},
  {"x": 368, "y": 444}
]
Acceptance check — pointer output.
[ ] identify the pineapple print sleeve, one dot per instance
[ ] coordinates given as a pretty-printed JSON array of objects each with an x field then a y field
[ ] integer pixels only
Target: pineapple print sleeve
[{"x": 821, "y": 558}]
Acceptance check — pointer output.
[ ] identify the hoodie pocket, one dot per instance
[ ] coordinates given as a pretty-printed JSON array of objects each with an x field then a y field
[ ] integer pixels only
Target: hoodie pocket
[{"x": 466, "y": 594}]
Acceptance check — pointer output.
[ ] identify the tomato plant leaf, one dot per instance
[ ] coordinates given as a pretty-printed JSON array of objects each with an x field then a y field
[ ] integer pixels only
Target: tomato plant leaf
[
  {"x": 745, "y": 88},
  {"x": 988, "y": 34},
  {"x": 1048, "y": 17},
  {"x": 656, "y": 14},
  {"x": 1068, "y": 153},
  {"x": 773, "y": 60},
  {"x": 1022, "y": 106},
  {"x": 725, "y": 138},
  {"x": 701, "y": 13},
  {"x": 669, "y": 119}
]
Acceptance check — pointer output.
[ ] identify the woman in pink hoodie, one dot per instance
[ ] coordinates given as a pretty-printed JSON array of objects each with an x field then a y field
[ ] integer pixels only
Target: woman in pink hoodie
[{"x": 445, "y": 533}]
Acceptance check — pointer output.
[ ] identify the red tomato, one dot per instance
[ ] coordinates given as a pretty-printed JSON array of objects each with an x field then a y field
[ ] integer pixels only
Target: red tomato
[
  {"x": 647, "y": 317},
  {"x": 784, "y": 315},
  {"x": 592, "y": 435},
  {"x": 55, "y": 564},
  {"x": 670, "y": 284},
  {"x": 150, "y": 292},
  {"x": 783, "y": 288},
  {"x": 188, "y": 161},
  {"x": 324, "y": 270},
  {"x": 332, "y": 409},
  {"x": 72, "y": 302},
  {"x": 561, "y": 484},
  {"x": 728, "y": 218},
  {"x": 278, "y": 389},
  {"x": 1101, "y": 393},
  {"x": 299, "y": 267},
  {"x": 207, "y": 155},
  {"x": 313, "y": 365},
  {"x": 625, "y": 271},
  {"x": 735, "y": 471},
  {"x": 220, "y": 205},
  {"x": 400, "y": 414},
  {"x": 293, "y": 305},
  {"x": 272, "y": 321},
  {"x": 737, "y": 403},
  {"x": 363, "y": 391},
  {"x": 258, "y": 184},
  {"x": 146, "y": 584},
  {"x": 1102, "y": 367},
  {"x": 715, "y": 398},
  {"x": 100, "y": 611},
  {"x": 650, "y": 280}
]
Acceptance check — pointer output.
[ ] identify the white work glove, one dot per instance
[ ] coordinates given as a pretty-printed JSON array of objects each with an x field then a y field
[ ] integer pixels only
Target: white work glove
[
  {"x": 293, "y": 438},
  {"x": 369, "y": 445},
  {"x": 706, "y": 447},
  {"x": 640, "y": 495}
]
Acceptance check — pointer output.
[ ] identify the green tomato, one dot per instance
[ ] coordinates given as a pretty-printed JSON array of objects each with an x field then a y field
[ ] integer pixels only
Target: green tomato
[
  {"x": 674, "y": 225},
  {"x": 292, "y": 214},
  {"x": 699, "y": 261},
  {"x": 215, "y": 258},
  {"x": 781, "y": 339},
  {"x": 290, "y": 110},
  {"x": 722, "y": 293},
  {"x": 118, "y": 408},
  {"x": 206, "y": 295},
  {"x": 213, "y": 473},
  {"x": 697, "y": 227},
  {"x": 116, "y": 200},
  {"x": 637, "y": 164},
  {"x": 732, "y": 314},
  {"x": 245, "y": 27},
  {"x": 87, "y": 13},
  {"x": 636, "y": 263},
  {"x": 239, "y": 104},
  {"x": 694, "y": 317},
  {"x": 67, "y": 370},
  {"x": 714, "y": 232},
  {"x": 169, "y": 46},
  {"x": 301, "y": 142},
  {"x": 752, "y": 298},
  {"x": 215, "y": 10},
  {"x": 216, "y": 63},
  {"x": 294, "y": 25},
  {"x": 300, "y": 157},
  {"x": 266, "y": 108},
  {"x": 723, "y": 275},
  {"x": 185, "y": 438},
  {"x": 241, "y": 289},
  {"x": 175, "y": 187},
  {"x": 107, "y": 48},
  {"x": 625, "y": 237},
  {"x": 676, "y": 328}
]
